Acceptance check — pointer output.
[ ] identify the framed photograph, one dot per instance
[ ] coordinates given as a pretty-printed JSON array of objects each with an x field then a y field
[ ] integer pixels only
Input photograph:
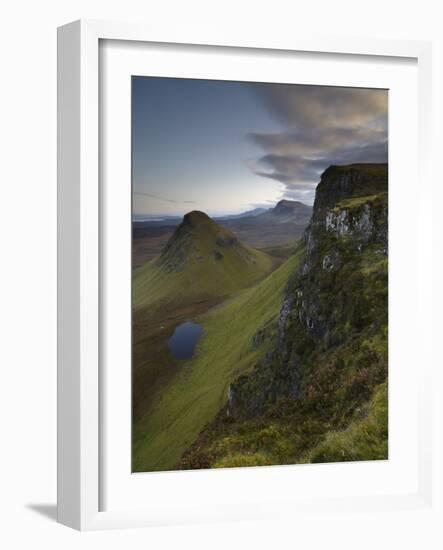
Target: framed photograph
[{"x": 236, "y": 249}]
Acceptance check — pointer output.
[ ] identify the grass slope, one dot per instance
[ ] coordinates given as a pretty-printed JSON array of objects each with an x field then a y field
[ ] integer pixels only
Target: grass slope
[
  {"x": 283, "y": 437},
  {"x": 364, "y": 439},
  {"x": 199, "y": 390},
  {"x": 201, "y": 260},
  {"x": 297, "y": 432}
]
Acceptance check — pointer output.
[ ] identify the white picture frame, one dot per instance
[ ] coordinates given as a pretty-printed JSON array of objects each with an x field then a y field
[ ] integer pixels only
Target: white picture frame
[{"x": 80, "y": 445}]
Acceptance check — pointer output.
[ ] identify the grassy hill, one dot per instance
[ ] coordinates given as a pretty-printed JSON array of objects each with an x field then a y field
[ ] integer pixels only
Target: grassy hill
[
  {"x": 236, "y": 334},
  {"x": 201, "y": 260}
]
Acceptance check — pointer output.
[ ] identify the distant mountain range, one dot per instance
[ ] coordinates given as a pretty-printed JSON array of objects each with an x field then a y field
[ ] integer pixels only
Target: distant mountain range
[
  {"x": 254, "y": 212},
  {"x": 282, "y": 208},
  {"x": 284, "y": 211}
]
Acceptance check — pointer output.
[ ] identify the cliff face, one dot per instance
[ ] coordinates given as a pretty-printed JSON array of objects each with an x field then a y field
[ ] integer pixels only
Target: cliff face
[
  {"x": 331, "y": 347},
  {"x": 343, "y": 182}
]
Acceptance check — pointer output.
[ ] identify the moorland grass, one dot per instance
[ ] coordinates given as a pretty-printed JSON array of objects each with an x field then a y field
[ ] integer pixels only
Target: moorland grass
[
  {"x": 282, "y": 439},
  {"x": 364, "y": 439}
]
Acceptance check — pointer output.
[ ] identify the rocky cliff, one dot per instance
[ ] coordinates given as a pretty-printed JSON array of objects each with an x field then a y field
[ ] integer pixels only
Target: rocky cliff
[{"x": 336, "y": 300}]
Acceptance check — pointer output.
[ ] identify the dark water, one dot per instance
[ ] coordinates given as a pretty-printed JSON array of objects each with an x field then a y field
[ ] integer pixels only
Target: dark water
[{"x": 182, "y": 343}]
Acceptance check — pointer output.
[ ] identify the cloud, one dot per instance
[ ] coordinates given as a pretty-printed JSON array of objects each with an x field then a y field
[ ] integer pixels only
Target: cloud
[
  {"x": 164, "y": 199},
  {"x": 322, "y": 125}
]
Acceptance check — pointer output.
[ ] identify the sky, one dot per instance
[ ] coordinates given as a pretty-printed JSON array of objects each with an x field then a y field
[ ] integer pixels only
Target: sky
[{"x": 228, "y": 147}]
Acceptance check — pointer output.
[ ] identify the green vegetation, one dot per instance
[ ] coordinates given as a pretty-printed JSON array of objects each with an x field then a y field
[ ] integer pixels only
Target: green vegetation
[
  {"x": 199, "y": 389},
  {"x": 202, "y": 260},
  {"x": 281, "y": 253},
  {"x": 357, "y": 202},
  {"x": 365, "y": 439},
  {"x": 288, "y": 434}
]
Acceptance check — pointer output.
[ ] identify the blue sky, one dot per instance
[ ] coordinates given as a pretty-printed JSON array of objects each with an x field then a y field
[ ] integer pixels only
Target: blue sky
[{"x": 226, "y": 147}]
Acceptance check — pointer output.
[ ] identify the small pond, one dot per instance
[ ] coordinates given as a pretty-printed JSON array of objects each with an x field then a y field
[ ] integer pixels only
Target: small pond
[{"x": 184, "y": 340}]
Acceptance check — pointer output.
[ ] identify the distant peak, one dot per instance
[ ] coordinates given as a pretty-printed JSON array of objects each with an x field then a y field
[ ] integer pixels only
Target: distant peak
[
  {"x": 196, "y": 217},
  {"x": 286, "y": 206},
  {"x": 288, "y": 203}
]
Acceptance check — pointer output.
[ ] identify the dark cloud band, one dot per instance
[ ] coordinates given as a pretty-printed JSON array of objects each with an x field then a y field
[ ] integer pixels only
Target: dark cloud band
[
  {"x": 324, "y": 126},
  {"x": 151, "y": 196}
]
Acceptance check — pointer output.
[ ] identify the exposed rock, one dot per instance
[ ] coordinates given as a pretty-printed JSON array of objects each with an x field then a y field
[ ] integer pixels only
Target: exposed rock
[
  {"x": 345, "y": 222},
  {"x": 331, "y": 262},
  {"x": 285, "y": 311},
  {"x": 305, "y": 269},
  {"x": 251, "y": 392}
]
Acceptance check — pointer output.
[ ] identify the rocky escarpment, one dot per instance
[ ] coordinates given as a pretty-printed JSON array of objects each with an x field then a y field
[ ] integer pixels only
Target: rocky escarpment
[
  {"x": 331, "y": 345},
  {"x": 343, "y": 182}
]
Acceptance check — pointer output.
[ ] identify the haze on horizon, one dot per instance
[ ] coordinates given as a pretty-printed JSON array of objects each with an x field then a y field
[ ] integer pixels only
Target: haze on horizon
[{"x": 228, "y": 147}]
